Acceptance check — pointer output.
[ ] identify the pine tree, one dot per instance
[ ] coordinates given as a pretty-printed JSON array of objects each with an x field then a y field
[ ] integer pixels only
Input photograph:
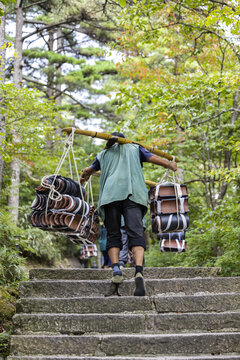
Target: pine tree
[{"x": 62, "y": 68}]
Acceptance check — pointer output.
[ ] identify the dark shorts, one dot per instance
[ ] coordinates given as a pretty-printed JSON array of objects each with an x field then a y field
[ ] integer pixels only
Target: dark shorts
[{"x": 133, "y": 214}]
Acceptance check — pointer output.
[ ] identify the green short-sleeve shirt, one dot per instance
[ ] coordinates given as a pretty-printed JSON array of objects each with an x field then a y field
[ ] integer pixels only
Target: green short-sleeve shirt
[{"x": 121, "y": 176}]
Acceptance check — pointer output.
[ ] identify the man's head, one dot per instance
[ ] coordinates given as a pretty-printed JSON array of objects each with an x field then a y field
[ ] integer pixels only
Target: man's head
[
  {"x": 112, "y": 141},
  {"x": 118, "y": 134}
]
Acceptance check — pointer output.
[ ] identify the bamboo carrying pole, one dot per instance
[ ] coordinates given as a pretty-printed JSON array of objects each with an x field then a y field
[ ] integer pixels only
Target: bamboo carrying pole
[{"x": 120, "y": 140}]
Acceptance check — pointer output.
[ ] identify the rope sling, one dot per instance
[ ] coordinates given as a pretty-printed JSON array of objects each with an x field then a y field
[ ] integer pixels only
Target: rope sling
[{"x": 52, "y": 205}]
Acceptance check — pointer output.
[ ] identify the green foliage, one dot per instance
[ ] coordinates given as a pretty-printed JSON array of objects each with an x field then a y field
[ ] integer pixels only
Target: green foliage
[
  {"x": 11, "y": 267},
  {"x": 29, "y": 120},
  {"x": 214, "y": 239},
  {"x": 91, "y": 51},
  {"x": 21, "y": 243},
  {"x": 73, "y": 70},
  {"x": 51, "y": 56},
  {"x": 155, "y": 258},
  {"x": 123, "y": 3},
  {"x": 12, "y": 263},
  {"x": 227, "y": 15},
  {"x": 5, "y": 2},
  {"x": 4, "y": 343}
]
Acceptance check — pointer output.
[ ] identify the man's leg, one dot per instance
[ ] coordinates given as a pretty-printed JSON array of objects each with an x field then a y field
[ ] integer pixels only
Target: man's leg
[
  {"x": 133, "y": 214},
  {"x": 138, "y": 252},
  {"x": 114, "y": 254},
  {"x": 114, "y": 243},
  {"x": 114, "y": 257}
]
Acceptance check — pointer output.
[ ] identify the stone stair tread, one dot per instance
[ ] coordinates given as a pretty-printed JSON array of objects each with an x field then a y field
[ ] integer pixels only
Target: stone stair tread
[
  {"x": 128, "y": 314},
  {"x": 164, "y": 272},
  {"x": 167, "y": 295},
  {"x": 131, "y": 280},
  {"x": 142, "y": 335},
  {"x": 134, "y": 323},
  {"x": 161, "y": 303},
  {"x": 73, "y": 288},
  {"x": 106, "y": 281},
  {"x": 202, "y": 294},
  {"x": 126, "y": 344},
  {"x": 189, "y": 357}
]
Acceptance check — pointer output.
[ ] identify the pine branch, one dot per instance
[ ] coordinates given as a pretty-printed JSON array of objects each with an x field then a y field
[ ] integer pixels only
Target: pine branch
[
  {"x": 68, "y": 21},
  {"x": 77, "y": 102},
  {"x": 36, "y": 3},
  {"x": 34, "y": 22},
  {"x": 47, "y": 27}
]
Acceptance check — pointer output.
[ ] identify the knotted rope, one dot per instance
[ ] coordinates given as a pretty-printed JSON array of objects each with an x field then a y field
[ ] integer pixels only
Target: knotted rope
[{"x": 53, "y": 193}]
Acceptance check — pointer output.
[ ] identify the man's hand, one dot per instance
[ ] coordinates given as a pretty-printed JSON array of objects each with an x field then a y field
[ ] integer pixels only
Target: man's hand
[
  {"x": 173, "y": 165},
  {"x": 86, "y": 173}
]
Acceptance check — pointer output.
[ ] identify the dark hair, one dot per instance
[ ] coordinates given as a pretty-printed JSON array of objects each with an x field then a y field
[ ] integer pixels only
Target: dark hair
[{"x": 112, "y": 141}]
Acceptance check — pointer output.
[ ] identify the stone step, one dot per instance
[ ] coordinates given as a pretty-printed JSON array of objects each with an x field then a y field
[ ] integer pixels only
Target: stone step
[
  {"x": 160, "y": 304},
  {"x": 81, "y": 305},
  {"x": 104, "y": 274},
  {"x": 189, "y": 357},
  {"x": 69, "y": 288},
  {"x": 126, "y": 344},
  {"x": 126, "y": 323}
]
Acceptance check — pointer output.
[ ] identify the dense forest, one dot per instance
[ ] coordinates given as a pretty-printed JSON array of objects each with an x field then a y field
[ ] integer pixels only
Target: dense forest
[{"x": 166, "y": 73}]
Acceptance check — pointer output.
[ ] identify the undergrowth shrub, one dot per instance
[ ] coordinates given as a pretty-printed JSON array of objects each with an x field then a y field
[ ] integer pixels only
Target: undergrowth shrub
[
  {"x": 8, "y": 296},
  {"x": 19, "y": 245}
]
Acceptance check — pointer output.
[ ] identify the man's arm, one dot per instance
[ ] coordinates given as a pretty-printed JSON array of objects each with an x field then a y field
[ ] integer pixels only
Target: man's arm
[
  {"x": 87, "y": 172},
  {"x": 172, "y": 165},
  {"x": 147, "y": 156}
]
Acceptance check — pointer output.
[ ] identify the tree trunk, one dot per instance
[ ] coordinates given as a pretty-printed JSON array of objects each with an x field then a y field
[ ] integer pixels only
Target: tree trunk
[
  {"x": 58, "y": 95},
  {"x": 50, "y": 80},
  {"x": 17, "y": 75},
  {"x": 50, "y": 76},
  {"x": 13, "y": 198},
  {"x": 2, "y": 118},
  {"x": 58, "y": 73}
]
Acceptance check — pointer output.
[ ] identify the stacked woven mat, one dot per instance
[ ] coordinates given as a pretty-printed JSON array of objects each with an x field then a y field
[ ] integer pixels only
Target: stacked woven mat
[
  {"x": 169, "y": 215},
  {"x": 60, "y": 206}
]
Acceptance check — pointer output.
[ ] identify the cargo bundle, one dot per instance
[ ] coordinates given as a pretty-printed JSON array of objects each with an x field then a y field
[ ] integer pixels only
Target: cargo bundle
[
  {"x": 169, "y": 215},
  {"x": 60, "y": 206}
]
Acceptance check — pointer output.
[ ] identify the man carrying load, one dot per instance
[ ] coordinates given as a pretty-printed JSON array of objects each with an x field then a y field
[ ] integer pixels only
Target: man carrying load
[{"x": 123, "y": 192}]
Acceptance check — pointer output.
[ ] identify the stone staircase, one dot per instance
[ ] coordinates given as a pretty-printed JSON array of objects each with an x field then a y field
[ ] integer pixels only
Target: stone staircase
[{"x": 188, "y": 314}]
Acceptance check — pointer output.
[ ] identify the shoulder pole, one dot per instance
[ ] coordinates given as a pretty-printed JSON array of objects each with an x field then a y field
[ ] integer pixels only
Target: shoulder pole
[{"x": 120, "y": 140}]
